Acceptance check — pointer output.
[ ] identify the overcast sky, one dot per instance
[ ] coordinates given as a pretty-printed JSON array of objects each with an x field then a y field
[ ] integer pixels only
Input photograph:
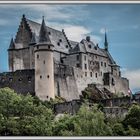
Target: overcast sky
[{"x": 122, "y": 22}]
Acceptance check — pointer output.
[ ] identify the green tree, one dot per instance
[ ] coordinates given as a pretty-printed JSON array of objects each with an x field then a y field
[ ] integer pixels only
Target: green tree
[
  {"x": 133, "y": 117},
  {"x": 23, "y": 115},
  {"x": 118, "y": 130},
  {"x": 89, "y": 121}
]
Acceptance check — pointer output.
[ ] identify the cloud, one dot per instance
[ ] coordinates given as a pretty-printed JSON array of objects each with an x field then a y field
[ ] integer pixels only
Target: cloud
[
  {"x": 76, "y": 33},
  {"x": 134, "y": 78}
]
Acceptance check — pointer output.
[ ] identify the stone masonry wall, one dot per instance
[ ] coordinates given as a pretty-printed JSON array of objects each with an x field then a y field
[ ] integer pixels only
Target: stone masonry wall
[{"x": 21, "y": 82}]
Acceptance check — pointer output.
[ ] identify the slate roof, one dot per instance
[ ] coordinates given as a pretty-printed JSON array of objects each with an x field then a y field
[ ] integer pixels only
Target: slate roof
[
  {"x": 57, "y": 38},
  {"x": 62, "y": 44}
]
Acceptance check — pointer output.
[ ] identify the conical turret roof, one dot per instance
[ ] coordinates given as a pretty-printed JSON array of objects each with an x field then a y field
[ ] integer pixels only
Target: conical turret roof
[{"x": 43, "y": 34}]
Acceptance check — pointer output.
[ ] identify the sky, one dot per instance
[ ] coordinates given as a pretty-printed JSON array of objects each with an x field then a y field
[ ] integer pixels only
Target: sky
[{"x": 122, "y": 22}]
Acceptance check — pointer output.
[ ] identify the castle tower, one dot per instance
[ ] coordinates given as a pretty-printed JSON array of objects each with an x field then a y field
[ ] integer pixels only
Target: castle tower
[
  {"x": 106, "y": 42},
  {"x": 44, "y": 66}
]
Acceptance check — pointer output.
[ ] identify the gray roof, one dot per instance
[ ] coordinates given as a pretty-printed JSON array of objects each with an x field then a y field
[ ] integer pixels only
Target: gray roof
[
  {"x": 61, "y": 43},
  {"x": 57, "y": 37},
  {"x": 43, "y": 34},
  {"x": 90, "y": 47}
]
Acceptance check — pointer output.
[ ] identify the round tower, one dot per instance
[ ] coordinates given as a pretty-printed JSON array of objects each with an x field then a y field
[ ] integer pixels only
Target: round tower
[{"x": 44, "y": 66}]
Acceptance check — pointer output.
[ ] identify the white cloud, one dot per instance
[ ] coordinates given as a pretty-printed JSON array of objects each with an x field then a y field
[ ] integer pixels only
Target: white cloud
[
  {"x": 76, "y": 33},
  {"x": 134, "y": 78}
]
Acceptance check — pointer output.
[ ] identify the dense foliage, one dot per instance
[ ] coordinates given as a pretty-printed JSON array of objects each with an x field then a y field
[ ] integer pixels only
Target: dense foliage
[{"x": 28, "y": 116}]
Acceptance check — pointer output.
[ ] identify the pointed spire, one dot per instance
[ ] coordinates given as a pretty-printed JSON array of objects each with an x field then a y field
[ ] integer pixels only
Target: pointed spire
[
  {"x": 43, "y": 35},
  {"x": 12, "y": 44},
  {"x": 106, "y": 42}
]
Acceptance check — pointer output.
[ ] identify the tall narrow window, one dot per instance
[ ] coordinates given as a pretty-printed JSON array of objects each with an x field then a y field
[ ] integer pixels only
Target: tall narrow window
[
  {"x": 90, "y": 74},
  {"x": 37, "y": 56},
  {"x": 101, "y": 63},
  {"x": 96, "y": 75},
  {"x": 85, "y": 74},
  {"x": 105, "y": 64},
  {"x": 85, "y": 66}
]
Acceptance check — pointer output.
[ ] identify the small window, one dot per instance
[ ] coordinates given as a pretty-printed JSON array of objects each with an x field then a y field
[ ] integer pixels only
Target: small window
[
  {"x": 77, "y": 65},
  {"x": 29, "y": 79},
  {"x": 62, "y": 61},
  {"x": 58, "y": 44},
  {"x": 40, "y": 76},
  {"x": 48, "y": 47},
  {"x": 85, "y": 74},
  {"x": 96, "y": 75},
  {"x": 60, "y": 40},
  {"x": 90, "y": 74},
  {"x": 48, "y": 76},
  {"x": 89, "y": 46},
  {"x": 105, "y": 64},
  {"x": 95, "y": 48},
  {"x": 96, "y": 56},
  {"x": 37, "y": 47},
  {"x": 44, "y": 61},
  {"x": 47, "y": 97},
  {"x": 113, "y": 82},
  {"x": 37, "y": 56},
  {"x": 49, "y": 33},
  {"x": 66, "y": 46},
  {"x": 101, "y": 63},
  {"x": 85, "y": 66}
]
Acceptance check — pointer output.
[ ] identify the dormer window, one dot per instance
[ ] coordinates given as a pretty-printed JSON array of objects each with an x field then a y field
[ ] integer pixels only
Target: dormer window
[
  {"x": 89, "y": 46},
  {"x": 58, "y": 43},
  {"x": 95, "y": 48}
]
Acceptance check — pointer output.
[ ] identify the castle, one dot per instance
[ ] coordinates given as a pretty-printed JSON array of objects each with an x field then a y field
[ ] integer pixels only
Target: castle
[{"x": 45, "y": 63}]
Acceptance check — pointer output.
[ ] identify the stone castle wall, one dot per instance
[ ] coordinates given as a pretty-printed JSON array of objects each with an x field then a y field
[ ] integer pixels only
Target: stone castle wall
[{"x": 20, "y": 81}]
